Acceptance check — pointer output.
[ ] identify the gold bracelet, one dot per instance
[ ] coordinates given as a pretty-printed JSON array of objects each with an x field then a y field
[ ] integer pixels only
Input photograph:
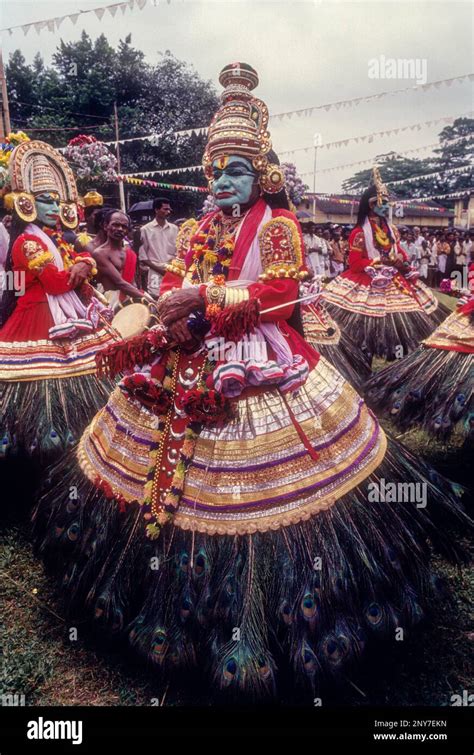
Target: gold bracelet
[
  {"x": 236, "y": 296},
  {"x": 216, "y": 294}
]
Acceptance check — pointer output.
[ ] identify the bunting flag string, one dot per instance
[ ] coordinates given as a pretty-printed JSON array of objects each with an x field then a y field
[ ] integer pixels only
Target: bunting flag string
[
  {"x": 167, "y": 171},
  {"x": 155, "y": 138},
  {"x": 414, "y": 202},
  {"x": 452, "y": 195},
  {"x": 156, "y": 184},
  {"x": 461, "y": 170},
  {"x": 53, "y": 24},
  {"x": 377, "y": 134},
  {"x": 415, "y": 150},
  {"x": 308, "y": 111}
]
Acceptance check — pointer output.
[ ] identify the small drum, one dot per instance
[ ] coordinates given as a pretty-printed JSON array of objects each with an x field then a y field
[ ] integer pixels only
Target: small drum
[{"x": 134, "y": 317}]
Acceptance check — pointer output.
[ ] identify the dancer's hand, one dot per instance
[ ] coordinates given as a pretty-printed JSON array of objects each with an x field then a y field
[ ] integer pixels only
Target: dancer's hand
[
  {"x": 179, "y": 305},
  {"x": 179, "y": 331},
  {"x": 78, "y": 273}
]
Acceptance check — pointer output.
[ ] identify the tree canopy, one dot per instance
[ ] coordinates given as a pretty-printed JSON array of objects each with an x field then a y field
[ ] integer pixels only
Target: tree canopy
[
  {"x": 456, "y": 149},
  {"x": 76, "y": 94}
]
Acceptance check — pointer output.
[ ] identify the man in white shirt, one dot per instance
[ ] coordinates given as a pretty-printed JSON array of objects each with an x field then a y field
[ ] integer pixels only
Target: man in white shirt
[
  {"x": 157, "y": 245},
  {"x": 313, "y": 248}
]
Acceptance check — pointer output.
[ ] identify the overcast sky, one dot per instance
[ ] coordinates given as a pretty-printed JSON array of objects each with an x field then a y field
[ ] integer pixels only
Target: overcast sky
[{"x": 306, "y": 53}]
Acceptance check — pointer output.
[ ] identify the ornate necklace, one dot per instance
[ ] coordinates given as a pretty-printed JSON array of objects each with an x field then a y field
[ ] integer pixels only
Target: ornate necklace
[
  {"x": 213, "y": 250},
  {"x": 64, "y": 247},
  {"x": 381, "y": 237}
]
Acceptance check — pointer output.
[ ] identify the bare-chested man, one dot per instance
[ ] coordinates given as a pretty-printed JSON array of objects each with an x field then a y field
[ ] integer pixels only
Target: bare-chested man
[{"x": 116, "y": 261}]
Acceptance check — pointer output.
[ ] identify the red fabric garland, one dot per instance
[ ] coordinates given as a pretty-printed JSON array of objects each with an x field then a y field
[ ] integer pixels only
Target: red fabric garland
[
  {"x": 236, "y": 321},
  {"x": 124, "y": 355}
]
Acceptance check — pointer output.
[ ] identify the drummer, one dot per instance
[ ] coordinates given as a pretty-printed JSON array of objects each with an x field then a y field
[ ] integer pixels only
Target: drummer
[{"x": 116, "y": 261}]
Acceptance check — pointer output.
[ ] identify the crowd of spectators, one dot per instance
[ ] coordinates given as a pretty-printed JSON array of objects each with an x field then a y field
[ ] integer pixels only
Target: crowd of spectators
[{"x": 434, "y": 252}]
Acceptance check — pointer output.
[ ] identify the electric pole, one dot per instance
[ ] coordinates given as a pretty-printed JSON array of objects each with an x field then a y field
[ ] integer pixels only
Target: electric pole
[
  {"x": 117, "y": 146},
  {"x": 5, "y": 127}
]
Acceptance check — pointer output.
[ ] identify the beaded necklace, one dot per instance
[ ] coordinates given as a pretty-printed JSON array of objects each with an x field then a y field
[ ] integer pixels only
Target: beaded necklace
[
  {"x": 64, "y": 247},
  {"x": 213, "y": 250}
]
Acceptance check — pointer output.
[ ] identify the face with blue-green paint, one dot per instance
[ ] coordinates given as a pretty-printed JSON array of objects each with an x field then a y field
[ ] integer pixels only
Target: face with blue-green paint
[
  {"x": 383, "y": 209},
  {"x": 234, "y": 183},
  {"x": 47, "y": 208}
]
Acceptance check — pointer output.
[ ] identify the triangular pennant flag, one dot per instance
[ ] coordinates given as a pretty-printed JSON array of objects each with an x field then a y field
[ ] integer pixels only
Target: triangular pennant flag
[
  {"x": 99, "y": 12},
  {"x": 74, "y": 18},
  {"x": 50, "y": 24},
  {"x": 112, "y": 10},
  {"x": 59, "y": 21},
  {"x": 141, "y": 4},
  {"x": 123, "y": 7},
  {"x": 39, "y": 25},
  {"x": 26, "y": 28}
]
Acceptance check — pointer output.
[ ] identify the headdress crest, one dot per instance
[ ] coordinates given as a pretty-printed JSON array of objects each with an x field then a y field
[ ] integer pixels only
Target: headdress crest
[
  {"x": 239, "y": 127},
  {"x": 35, "y": 168},
  {"x": 382, "y": 191}
]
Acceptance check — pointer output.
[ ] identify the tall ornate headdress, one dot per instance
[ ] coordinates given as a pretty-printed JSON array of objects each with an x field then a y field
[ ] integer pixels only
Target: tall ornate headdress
[
  {"x": 35, "y": 168},
  {"x": 382, "y": 191},
  {"x": 240, "y": 127}
]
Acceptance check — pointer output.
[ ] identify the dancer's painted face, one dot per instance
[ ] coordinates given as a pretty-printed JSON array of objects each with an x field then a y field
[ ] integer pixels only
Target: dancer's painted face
[
  {"x": 235, "y": 182},
  {"x": 382, "y": 210},
  {"x": 47, "y": 208}
]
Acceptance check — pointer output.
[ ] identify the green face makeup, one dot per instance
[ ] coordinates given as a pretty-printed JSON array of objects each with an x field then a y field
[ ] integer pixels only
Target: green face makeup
[
  {"x": 47, "y": 208},
  {"x": 382, "y": 210},
  {"x": 234, "y": 184}
]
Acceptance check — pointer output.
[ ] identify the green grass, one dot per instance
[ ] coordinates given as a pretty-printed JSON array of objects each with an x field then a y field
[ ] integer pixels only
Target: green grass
[{"x": 39, "y": 660}]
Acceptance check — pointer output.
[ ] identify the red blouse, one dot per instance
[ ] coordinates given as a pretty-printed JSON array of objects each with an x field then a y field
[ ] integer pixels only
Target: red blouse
[
  {"x": 359, "y": 258},
  {"x": 37, "y": 275}
]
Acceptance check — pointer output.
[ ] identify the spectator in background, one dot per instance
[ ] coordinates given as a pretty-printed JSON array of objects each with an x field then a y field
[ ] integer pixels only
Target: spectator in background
[
  {"x": 326, "y": 263},
  {"x": 338, "y": 252},
  {"x": 157, "y": 245},
  {"x": 313, "y": 248},
  {"x": 424, "y": 259},
  {"x": 451, "y": 255},
  {"x": 4, "y": 244},
  {"x": 403, "y": 238},
  {"x": 412, "y": 250},
  {"x": 116, "y": 261},
  {"x": 417, "y": 238},
  {"x": 467, "y": 246},
  {"x": 443, "y": 252},
  {"x": 460, "y": 257},
  {"x": 433, "y": 262}
]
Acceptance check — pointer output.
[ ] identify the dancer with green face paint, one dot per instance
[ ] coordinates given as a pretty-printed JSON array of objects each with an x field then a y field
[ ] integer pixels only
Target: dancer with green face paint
[
  {"x": 227, "y": 521},
  {"x": 379, "y": 299},
  {"x": 52, "y": 323}
]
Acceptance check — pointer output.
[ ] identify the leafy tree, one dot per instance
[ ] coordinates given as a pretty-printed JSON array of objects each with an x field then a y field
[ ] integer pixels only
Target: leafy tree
[
  {"x": 76, "y": 94},
  {"x": 450, "y": 154}
]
